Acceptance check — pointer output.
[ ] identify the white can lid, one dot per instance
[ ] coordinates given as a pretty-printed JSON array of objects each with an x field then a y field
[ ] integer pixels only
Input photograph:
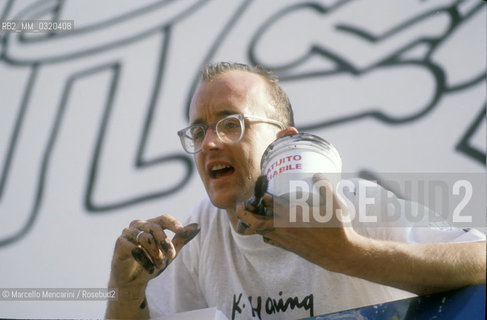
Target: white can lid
[{"x": 301, "y": 140}]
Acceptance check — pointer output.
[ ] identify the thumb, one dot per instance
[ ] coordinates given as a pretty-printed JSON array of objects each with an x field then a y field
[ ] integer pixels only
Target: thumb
[{"x": 185, "y": 235}]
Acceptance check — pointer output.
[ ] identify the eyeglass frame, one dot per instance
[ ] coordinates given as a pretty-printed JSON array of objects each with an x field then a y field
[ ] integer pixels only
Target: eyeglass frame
[{"x": 240, "y": 116}]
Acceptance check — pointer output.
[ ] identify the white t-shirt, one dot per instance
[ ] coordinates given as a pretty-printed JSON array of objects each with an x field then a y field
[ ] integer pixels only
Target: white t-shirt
[{"x": 246, "y": 278}]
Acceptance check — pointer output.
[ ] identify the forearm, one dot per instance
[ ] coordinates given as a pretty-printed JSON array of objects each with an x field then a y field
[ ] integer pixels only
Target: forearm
[
  {"x": 131, "y": 304},
  {"x": 418, "y": 268}
]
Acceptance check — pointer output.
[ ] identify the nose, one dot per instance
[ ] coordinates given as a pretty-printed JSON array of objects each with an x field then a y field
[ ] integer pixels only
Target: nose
[{"x": 211, "y": 140}]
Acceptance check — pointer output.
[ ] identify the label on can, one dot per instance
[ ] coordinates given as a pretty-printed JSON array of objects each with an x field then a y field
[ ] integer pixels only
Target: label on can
[
  {"x": 299, "y": 155},
  {"x": 290, "y": 162},
  {"x": 304, "y": 162}
]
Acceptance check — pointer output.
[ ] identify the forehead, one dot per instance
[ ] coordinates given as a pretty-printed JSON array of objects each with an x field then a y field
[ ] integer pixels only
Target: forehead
[{"x": 229, "y": 93}]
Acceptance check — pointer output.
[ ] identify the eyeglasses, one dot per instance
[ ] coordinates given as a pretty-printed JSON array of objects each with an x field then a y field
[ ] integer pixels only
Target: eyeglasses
[{"x": 229, "y": 130}]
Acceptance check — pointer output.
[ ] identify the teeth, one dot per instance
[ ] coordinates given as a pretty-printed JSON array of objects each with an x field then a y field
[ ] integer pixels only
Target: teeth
[{"x": 219, "y": 167}]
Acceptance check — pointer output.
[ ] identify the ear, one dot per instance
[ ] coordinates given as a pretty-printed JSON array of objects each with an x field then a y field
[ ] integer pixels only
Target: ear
[{"x": 287, "y": 131}]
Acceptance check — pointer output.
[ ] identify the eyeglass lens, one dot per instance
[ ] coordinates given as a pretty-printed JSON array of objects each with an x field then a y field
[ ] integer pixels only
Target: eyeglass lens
[{"x": 229, "y": 130}]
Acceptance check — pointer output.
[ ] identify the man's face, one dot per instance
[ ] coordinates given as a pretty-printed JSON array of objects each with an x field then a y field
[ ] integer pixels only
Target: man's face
[{"x": 229, "y": 171}]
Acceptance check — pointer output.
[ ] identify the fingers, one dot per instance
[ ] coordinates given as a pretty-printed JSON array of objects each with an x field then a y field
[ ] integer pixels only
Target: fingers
[
  {"x": 321, "y": 208},
  {"x": 275, "y": 204},
  {"x": 333, "y": 203},
  {"x": 123, "y": 247},
  {"x": 185, "y": 235},
  {"x": 143, "y": 250},
  {"x": 153, "y": 242},
  {"x": 161, "y": 240},
  {"x": 154, "y": 239},
  {"x": 152, "y": 248},
  {"x": 125, "y": 251},
  {"x": 327, "y": 190},
  {"x": 247, "y": 220},
  {"x": 143, "y": 259},
  {"x": 168, "y": 222}
]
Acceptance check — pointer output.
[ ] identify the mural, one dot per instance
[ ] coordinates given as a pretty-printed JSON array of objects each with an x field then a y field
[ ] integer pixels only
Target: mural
[{"x": 88, "y": 117}]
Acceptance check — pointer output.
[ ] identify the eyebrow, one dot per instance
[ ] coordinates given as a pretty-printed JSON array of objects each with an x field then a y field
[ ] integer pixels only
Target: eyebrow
[{"x": 221, "y": 114}]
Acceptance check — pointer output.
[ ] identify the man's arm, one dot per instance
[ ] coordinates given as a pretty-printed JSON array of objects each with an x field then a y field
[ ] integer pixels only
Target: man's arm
[
  {"x": 418, "y": 268},
  {"x": 142, "y": 252}
]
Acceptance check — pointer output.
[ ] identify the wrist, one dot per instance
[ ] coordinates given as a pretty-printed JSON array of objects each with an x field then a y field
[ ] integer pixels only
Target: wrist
[
  {"x": 131, "y": 302},
  {"x": 133, "y": 291}
]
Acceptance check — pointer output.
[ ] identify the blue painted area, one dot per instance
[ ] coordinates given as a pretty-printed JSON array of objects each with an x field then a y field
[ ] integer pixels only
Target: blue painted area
[{"x": 466, "y": 303}]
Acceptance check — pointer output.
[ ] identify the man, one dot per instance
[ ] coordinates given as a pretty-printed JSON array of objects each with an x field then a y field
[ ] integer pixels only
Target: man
[{"x": 235, "y": 114}]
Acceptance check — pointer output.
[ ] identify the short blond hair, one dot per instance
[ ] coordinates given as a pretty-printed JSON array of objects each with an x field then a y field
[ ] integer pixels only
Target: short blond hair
[{"x": 280, "y": 100}]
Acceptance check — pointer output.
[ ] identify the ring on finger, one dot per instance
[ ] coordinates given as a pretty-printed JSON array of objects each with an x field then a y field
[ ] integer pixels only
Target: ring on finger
[{"x": 138, "y": 236}]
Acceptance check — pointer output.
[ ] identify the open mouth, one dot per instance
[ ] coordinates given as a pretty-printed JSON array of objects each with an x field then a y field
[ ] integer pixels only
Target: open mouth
[{"x": 221, "y": 170}]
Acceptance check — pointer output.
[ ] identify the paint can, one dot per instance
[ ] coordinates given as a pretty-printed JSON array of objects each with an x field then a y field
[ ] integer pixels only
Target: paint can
[{"x": 292, "y": 160}]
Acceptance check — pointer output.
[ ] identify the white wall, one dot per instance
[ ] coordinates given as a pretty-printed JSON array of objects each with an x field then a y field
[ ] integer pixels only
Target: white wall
[{"x": 88, "y": 120}]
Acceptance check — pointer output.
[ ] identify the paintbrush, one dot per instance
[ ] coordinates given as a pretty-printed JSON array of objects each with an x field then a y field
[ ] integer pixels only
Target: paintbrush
[{"x": 255, "y": 203}]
